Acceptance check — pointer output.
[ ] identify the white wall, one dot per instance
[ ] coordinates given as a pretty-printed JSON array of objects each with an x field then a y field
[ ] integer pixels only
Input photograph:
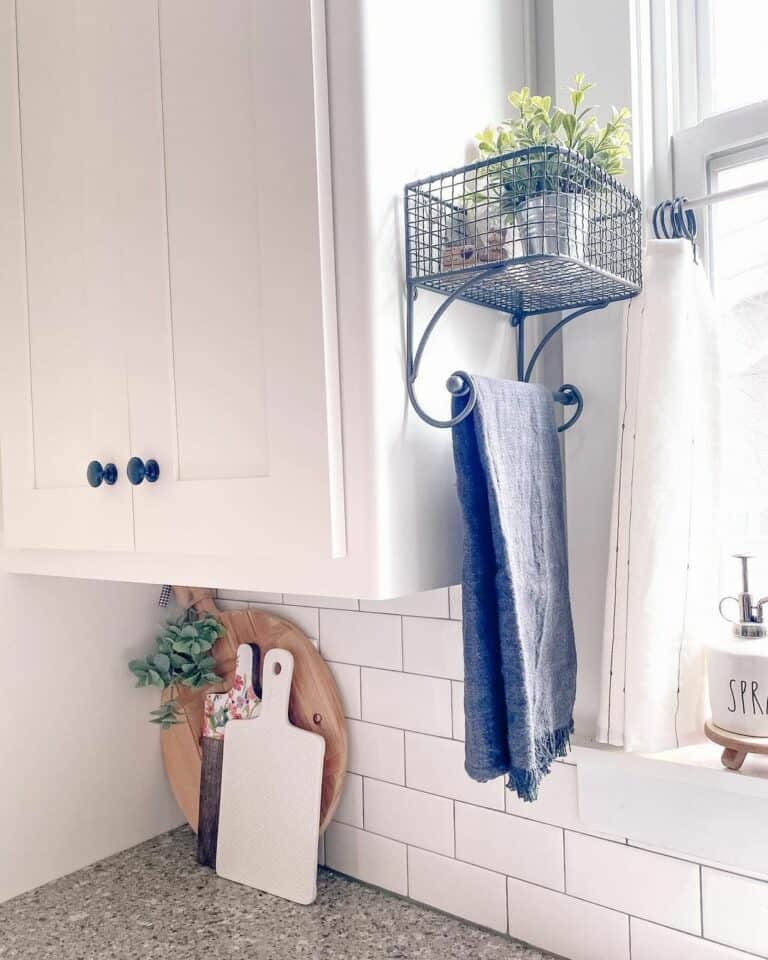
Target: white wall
[
  {"x": 81, "y": 773},
  {"x": 390, "y": 126},
  {"x": 596, "y": 38}
]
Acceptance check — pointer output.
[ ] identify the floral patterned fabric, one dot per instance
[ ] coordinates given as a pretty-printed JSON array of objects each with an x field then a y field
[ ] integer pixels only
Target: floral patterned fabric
[{"x": 240, "y": 703}]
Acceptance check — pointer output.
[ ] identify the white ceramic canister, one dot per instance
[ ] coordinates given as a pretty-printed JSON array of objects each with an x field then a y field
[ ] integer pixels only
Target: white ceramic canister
[{"x": 737, "y": 668}]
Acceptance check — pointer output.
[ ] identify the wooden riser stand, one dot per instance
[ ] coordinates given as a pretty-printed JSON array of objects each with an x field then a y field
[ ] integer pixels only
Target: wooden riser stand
[{"x": 736, "y": 746}]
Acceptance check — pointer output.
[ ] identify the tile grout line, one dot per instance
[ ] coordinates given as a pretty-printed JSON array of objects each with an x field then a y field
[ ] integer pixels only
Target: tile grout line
[
  {"x": 565, "y": 868},
  {"x": 360, "y": 685},
  {"x": 343, "y": 610},
  {"x": 410, "y": 673},
  {"x": 506, "y": 906},
  {"x": 408, "y": 870},
  {"x": 352, "y": 610}
]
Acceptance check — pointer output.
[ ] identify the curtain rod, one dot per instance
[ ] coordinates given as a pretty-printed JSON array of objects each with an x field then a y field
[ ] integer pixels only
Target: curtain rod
[
  {"x": 675, "y": 219},
  {"x": 709, "y": 199}
]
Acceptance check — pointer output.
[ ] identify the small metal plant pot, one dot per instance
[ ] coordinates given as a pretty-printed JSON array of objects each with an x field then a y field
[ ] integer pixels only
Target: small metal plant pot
[{"x": 553, "y": 224}]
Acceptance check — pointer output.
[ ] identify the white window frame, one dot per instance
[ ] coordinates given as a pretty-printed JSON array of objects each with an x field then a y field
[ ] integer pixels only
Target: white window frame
[
  {"x": 702, "y": 143},
  {"x": 697, "y": 152}
]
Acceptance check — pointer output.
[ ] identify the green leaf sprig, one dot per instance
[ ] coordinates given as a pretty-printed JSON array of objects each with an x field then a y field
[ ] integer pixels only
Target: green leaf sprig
[
  {"x": 539, "y": 124},
  {"x": 183, "y": 658}
]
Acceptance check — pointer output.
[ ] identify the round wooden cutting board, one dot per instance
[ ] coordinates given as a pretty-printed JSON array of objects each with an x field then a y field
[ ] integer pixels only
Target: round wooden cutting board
[{"x": 314, "y": 705}]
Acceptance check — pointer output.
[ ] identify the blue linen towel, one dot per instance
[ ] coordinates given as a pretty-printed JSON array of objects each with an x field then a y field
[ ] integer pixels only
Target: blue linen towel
[{"x": 519, "y": 650}]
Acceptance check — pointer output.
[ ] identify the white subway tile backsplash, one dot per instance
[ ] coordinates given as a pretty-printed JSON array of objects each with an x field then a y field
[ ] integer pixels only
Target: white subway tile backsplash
[
  {"x": 647, "y": 885},
  {"x": 735, "y": 910},
  {"x": 350, "y": 808},
  {"x": 569, "y": 927},
  {"x": 333, "y": 603},
  {"x": 347, "y": 677},
  {"x": 433, "y": 647},
  {"x": 519, "y": 848},
  {"x": 248, "y": 596},
  {"x": 437, "y": 766},
  {"x": 376, "y": 751},
  {"x": 408, "y": 815},
  {"x": 370, "y": 858},
  {"x": 457, "y": 701},
  {"x": 367, "y": 639},
  {"x": 407, "y": 700},
  {"x": 411, "y": 820},
  {"x": 454, "y": 602},
  {"x": 652, "y": 942},
  {"x": 431, "y": 603},
  {"x": 466, "y": 891}
]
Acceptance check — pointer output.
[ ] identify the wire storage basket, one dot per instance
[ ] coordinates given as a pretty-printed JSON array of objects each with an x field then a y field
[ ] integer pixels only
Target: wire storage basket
[{"x": 526, "y": 232}]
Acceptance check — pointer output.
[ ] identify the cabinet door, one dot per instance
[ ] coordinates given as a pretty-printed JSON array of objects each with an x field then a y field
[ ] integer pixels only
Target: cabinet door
[
  {"x": 236, "y": 393},
  {"x": 79, "y": 106}
]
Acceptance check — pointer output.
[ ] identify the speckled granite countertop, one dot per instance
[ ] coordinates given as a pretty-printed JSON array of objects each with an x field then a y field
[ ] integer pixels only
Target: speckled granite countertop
[{"x": 153, "y": 901}]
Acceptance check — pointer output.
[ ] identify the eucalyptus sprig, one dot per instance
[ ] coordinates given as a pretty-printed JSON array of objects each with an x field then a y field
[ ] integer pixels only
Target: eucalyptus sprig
[{"x": 183, "y": 658}]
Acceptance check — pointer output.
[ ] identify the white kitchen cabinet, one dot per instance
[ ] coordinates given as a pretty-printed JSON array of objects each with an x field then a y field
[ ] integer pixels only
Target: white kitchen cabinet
[{"x": 201, "y": 265}]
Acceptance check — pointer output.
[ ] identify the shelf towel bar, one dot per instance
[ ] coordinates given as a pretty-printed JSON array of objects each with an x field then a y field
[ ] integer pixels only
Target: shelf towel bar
[{"x": 530, "y": 232}]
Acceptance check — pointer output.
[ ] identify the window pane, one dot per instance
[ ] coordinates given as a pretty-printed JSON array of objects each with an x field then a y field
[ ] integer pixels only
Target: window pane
[
  {"x": 740, "y": 236},
  {"x": 740, "y": 280},
  {"x": 739, "y": 29}
]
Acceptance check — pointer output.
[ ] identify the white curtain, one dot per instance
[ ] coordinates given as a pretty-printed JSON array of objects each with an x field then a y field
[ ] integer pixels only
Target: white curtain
[{"x": 662, "y": 591}]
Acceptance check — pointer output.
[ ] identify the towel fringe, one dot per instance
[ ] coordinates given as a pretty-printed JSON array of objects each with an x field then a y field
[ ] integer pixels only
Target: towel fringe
[{"x": 525, "y": 782}]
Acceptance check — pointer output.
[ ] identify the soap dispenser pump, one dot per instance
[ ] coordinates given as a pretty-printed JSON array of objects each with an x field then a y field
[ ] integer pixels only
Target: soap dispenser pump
[{"x": 737, "y": 666}]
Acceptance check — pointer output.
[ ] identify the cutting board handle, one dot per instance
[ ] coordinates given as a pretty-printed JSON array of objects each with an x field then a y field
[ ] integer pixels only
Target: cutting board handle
[{"x": 276, "y": 687}]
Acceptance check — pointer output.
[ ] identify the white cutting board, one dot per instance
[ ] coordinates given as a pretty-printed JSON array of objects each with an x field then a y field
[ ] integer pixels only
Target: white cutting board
[{"x": 272, "y": 774}]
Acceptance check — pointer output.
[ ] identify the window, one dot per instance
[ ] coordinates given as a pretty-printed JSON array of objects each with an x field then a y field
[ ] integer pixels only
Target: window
[
  {"x": 732, "y": 50},
  {"x": 739, "y": 234},
  {"x": 721, "y": 145}
]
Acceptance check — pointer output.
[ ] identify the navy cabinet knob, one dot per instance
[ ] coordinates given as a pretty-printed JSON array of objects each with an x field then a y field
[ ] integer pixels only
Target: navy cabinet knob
[
  {"x": 97, "y": 474},
  {"x": 139, "y": 471}
]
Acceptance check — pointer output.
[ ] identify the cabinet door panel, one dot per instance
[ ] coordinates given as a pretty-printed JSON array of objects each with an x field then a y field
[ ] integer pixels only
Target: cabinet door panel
[
  {"x": 241, "y": 408},
  {"x": 78, "y": 152},
  {"x": 213, "y": 168}
]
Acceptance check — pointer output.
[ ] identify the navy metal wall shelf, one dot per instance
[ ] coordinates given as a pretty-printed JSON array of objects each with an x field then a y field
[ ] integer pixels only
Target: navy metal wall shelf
[{"x": 529, "y": 232}]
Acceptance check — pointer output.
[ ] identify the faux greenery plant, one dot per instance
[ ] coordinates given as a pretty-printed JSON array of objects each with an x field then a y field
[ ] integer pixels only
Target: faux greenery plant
[
  {"x": 183, "y": 659},
  {"x": 539, "y": 124}
]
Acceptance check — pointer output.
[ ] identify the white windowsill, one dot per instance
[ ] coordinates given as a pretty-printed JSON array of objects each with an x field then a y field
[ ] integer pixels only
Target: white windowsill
[
  {"x": 698, "y": 763},
  {"x": 681, "y": 800}
]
